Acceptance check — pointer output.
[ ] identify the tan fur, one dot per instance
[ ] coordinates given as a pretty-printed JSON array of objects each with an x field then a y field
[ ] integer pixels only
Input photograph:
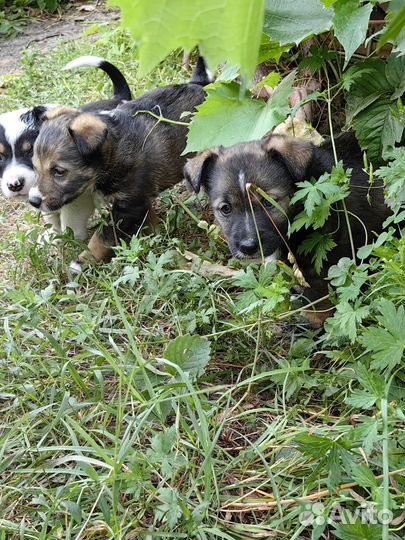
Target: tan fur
[
  {"x": 297, "y": 150},
  {"x": 88, "y": 126},
  {"x": 97, "y": 250},
  {"x": 2, "y": 149},
  {"x": 58, "y": 111}
]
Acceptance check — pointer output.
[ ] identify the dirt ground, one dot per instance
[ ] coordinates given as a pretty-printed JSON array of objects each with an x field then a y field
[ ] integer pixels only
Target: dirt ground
[{"x": 48, "y": 30}]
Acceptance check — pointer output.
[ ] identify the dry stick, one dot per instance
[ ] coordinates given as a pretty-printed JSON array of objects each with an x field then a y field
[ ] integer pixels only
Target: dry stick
[{"x": 246, "y": 507}]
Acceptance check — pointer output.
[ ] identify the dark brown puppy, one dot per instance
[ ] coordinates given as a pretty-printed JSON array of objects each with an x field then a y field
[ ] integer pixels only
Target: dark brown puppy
[
  {"x": 124, "y": 154},
  {"x": 276, "y": 164}
]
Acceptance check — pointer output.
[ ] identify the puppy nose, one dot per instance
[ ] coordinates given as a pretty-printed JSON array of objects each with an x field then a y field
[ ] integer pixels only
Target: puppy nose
[
  {"x": 35, "y": 201},
  {"x": 17, "y": 184},
  {"x": 249, "y": 246}
]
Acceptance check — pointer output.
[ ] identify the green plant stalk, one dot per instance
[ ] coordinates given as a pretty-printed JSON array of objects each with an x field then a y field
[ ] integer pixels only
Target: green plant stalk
[
  {"x": 329, "y": 103},
  {"x": 386, "y": 472}
]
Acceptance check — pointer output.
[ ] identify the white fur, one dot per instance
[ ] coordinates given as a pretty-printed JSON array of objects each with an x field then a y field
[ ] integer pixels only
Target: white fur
[
  {"x": 11, "y": 176},
  {"x": 77, "y": 214},
  {"x": 274, "y": 257},
  {"x": 242, "y": 181},
  {"x": 75, "y": 267},
  {"x": 13, "y": 125},
  {"x": 84, "y": 61},
  {"x": 74, "y": 215}
]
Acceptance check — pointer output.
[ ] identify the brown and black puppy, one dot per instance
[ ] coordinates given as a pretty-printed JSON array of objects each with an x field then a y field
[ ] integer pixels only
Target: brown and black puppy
[
  {"x": 276, "y": 164},
  {"x": 125, "y": 154}
]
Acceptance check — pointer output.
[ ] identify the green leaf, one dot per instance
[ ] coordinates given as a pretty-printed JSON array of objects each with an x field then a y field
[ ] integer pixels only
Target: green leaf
[
  {"x": 387, "y": 342},
  {"x": 169, "y": 509},
  {"x": 395, "y": 31},
  {"x": 346, "y": 320},
  {"x": 190, "y": 353},
  {"x": 372, "y": 103},
  {"x": 351, "y": 24},
  {"x": 226, "y": 119},
  {"x": 272, "y": 79},
  {"x": 393, "y": 176},
  {"x": 271, "y": 50},
  {"x": 378, "y": 128},
  {"x": 161, "y": 26},
  {"x": 286, "y": 21},
  {"x": 358, "y": 531},
  {"x": 319, "y": 244},
  {"x": 364, "y": 476}
]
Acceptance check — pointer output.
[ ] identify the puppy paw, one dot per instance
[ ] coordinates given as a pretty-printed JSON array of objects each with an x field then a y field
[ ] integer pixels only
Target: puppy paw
[
  {"x": 48, "y": 237},
  {"x": 75, "y": 267}
]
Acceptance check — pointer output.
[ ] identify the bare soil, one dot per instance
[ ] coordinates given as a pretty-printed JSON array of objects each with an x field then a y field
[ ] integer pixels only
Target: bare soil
[{"x": 46, "y": 31}]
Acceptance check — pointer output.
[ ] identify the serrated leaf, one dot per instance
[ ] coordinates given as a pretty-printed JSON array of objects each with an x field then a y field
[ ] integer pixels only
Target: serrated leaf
[
  {"x": 364, "y": 476},
  {"x": 346, "y": 320},
  {"x": 190, "y": 353},
  {"x": 319, "y": 244},
  {"x": 169, "y": 508},
  {"x": 386, "y": 343},
  {"x": 372, "y": 104},
  {"x": 161, "y": 26},
  {"x": 361, "y": 399},
  {"x": 378, "y": 128},
  {"x": 351, "y": 24},
  {"x": 285, "y": 21},
  {"x": 358, "y": 531},
  {"x": 226, "y": 119}
]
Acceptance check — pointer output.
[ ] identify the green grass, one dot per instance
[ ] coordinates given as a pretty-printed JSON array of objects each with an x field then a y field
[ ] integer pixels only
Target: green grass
[{"x": 101, "y": 436}]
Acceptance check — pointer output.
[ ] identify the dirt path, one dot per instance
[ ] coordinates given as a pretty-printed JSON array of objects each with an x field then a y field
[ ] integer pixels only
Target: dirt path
[{"x": 46, "y": 31}]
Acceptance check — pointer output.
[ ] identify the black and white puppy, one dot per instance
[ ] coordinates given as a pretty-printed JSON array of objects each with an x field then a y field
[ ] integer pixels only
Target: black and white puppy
[{"x": 18, "y": 132}]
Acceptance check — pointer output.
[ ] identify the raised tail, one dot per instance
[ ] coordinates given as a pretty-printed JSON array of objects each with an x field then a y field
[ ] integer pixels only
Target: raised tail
[
  {"x": 201, "y": 74},
  {"x": 121, "y": 88}
]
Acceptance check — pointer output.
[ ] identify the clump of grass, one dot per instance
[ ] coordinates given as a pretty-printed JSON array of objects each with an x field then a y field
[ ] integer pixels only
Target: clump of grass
[{"x": 105, "y": 433}]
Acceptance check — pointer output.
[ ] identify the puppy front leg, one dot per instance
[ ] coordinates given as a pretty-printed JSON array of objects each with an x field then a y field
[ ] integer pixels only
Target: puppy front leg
[
  {"x": 76, "y": 215},
  {"x": 53, "y": 220},
  {"x": 128, "y": 217}
]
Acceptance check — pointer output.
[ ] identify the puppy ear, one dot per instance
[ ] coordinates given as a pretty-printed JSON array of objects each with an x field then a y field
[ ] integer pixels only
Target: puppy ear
[
  {"x": 196, "y": 169},
  {"x": 39, "y": 114},
  {"x": 88, "y": 132},
  {"x": 295, "y": 154},
  {"x": 58, "y": 111}
]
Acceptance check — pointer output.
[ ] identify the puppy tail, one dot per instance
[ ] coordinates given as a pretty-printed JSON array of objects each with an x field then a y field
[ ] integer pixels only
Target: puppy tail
[
  {"x": 121, "y": 88},
  {"x": 201, "y": 74}
]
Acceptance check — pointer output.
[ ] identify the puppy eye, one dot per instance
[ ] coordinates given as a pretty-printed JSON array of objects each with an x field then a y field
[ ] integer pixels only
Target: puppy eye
[
  {"x": 58, "y": 172},
  {"x": 2, "y": 157},
  {"x": 267, "y": 203},
  {"x": 225, "y": 209}
]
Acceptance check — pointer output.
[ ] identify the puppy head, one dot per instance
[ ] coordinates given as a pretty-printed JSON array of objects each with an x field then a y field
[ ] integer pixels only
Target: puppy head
[
  {"x": 67, "y": 156},
  {"x": 274, "y": 164},
  {"x": 18, "y": 131}
]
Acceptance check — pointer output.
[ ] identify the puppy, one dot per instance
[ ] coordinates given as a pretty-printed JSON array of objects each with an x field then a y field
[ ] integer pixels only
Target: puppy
[
  {"x": 126, "y": 155},
  {"x": 276, "y": 164},
  {"x": 18, "y": 132}
]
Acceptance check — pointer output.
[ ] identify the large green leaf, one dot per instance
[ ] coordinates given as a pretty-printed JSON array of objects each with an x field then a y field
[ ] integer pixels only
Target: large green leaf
[
  {"x": 190, "y": 353},
  {"x": 378, "y": 128},
  {"x": 351, "y": 24},
  {"x": 226, "y": 119},
  {"x": 372, "y": 103},
  {"x": 224, "y": 30},
  {"x": 289, "y": 21}
]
